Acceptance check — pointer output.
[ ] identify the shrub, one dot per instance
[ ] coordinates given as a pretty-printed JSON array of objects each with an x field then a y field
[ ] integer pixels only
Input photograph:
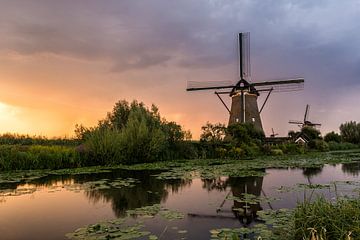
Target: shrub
[
  {"x": 236, "y": 153},
  {"x": 132, "y": 133},
  {"x": 332, "y": 137},
  {"x": 292, "y": 148},
  {"x": 334, "y": 146},
  {"x": 251, "y": 150},
  {"x": 221, "y": 152},
  {"x": 276, "y": 152},
  {"x": 311, "y": 132},
  {"x": 319, "y": 144},
  {"x": 245, "y": 133}
]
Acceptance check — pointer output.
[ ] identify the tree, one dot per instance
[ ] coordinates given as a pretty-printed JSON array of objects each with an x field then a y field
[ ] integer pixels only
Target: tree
[
  {"x": 245, "y": 133},
  {"x": 132, "y": 133},
  {"x": 212, "y": 132},
  {"x": 350, "y": 132},
  {"x": 311, "y": 132},
  {"x": 332, "y": 137}
]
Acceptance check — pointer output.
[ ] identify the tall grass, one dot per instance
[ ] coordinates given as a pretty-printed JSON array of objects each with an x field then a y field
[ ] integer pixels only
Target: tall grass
[
  {"x": 20, "y": 139},
  {"x": 324, "y": 219},
  {"x": 17, "y": 157}
]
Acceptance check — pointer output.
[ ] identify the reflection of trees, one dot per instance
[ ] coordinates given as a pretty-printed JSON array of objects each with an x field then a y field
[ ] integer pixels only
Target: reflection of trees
[
  {"x": 148, "y": 191},
  {"x": 219, "y": 184},
  {"x": 311, "y": 172},
  {"x": 351, "y": 168}
]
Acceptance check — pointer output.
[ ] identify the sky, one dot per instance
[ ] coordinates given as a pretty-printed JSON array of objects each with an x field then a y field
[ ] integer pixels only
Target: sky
[{"x": 68, "y": 62}]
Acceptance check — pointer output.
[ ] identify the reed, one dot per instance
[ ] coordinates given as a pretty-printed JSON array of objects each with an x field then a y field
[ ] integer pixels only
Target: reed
[
  {"x": 325, "y": 219},
  {"x": 18, "y": 157}
]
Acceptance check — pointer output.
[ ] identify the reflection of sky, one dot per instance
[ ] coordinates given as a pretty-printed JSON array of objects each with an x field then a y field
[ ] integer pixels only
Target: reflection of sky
[
  {"x": 53, "y": 210},
  {"x": 64, "y": 63}
]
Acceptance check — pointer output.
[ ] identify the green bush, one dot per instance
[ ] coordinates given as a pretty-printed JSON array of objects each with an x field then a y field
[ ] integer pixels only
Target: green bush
[
  {"x": 319, "y": 145},
  {"x": 245, "y": 133},
  {"x": 335, "y": 146},
  {"x": 292, "y": 148},
  {"x": 221, "y": 152},
  {"x": 332, "y": 137},
  {"x": 251, "y": 150},
  {"x": 276, "y": 152},
  {"x": 132, "y": 133},
  {"x": 236, "y": 153}
]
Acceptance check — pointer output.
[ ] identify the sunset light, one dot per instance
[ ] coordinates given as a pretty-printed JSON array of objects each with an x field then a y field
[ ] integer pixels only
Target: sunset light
[{"x": 179, "y": 119}]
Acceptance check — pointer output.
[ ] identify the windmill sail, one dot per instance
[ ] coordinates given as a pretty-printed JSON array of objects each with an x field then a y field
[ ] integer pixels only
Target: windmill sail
[
  {"x": 287, "y": 85},
  {"x": 196, "y": 86},
  {"x": 306, "y": 112},
  {"x": 244, "y": 55}
]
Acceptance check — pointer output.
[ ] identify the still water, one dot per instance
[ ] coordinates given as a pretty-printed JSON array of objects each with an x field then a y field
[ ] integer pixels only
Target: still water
[{"x": 50, "y": 207}]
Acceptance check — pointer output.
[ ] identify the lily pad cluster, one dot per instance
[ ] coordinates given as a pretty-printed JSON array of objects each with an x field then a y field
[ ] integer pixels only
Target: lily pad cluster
[
  {"x": 153, "y": 210},
  {"x": 106, "y": 230},
  {"x": 107, "y": 183},
  {"x": 275, "y": 226},
  {"x": 250, "y": 198},
  {"x": 126, "y": 228}
]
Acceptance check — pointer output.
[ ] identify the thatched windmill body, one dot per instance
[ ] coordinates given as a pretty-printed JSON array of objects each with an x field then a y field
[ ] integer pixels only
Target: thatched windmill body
[{"x": 244, "y": 93}]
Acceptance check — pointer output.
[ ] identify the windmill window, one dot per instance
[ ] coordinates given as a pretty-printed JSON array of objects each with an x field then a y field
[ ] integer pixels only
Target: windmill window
[
  {"x": 253, "y": 119},
  {"x": 236, "y": 120}
]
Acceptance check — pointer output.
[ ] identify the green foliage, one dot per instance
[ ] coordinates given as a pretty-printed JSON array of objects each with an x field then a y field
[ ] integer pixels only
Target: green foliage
[
  {"x": 276, "y": 152},
  {"x": 311, "y": 132},
  {"x": 350, "y": 132},
  {"x": 332, "y": 137},
  {"x": 331, "y": 220},
  {"x": 132, "y": 133},
  {"x": 292, "y": 148},
  {"x": 18, "y": 139},
  {"x": 245, "y": 133},
  {"x": 16, "y": 157},
  {"x": 319, "y": 145},
  {"x": 212, "y": 132},
  {"x": 335, "y": 146}
]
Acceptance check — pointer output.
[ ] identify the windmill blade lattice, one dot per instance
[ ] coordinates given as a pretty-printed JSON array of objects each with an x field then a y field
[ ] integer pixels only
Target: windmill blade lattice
[
  {"x": 288, "y": 85},
  {"x": 196, "y": 86}
]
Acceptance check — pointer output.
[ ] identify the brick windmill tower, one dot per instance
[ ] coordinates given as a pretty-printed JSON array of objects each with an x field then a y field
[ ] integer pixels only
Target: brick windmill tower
[{"x": 244, "y": 93}]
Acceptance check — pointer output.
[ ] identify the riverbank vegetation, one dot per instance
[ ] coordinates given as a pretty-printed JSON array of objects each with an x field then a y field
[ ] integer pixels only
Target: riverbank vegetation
[{"x": 133, "y": 133}]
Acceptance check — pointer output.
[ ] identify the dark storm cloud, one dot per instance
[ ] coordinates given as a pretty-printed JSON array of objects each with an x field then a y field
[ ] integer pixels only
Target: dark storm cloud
[
  {"x": 195, "y": 34},
  {"x": 315, "y": 39}
]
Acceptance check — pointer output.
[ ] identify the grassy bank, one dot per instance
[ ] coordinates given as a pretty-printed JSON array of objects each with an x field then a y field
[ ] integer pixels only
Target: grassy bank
[
  {"x": 318, "y": 220},
  {"x": 18, "y": 157},
  {"x": 323, "y": 219}
]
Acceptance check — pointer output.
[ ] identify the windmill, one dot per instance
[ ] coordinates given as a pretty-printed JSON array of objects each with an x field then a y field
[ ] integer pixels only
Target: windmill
[
  {"x": 305, "y": 122},
  {"x": 244, "y": 93}
]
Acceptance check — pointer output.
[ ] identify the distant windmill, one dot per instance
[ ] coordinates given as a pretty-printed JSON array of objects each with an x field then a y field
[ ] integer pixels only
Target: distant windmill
[
  {"x": 244, "y": 93},
  {"x": 305, "y": 122},
  {"x": 273, "y": 133}
]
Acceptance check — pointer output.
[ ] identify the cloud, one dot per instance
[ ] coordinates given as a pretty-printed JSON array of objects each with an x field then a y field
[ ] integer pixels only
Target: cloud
[{"x": 111, "y": 49}]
